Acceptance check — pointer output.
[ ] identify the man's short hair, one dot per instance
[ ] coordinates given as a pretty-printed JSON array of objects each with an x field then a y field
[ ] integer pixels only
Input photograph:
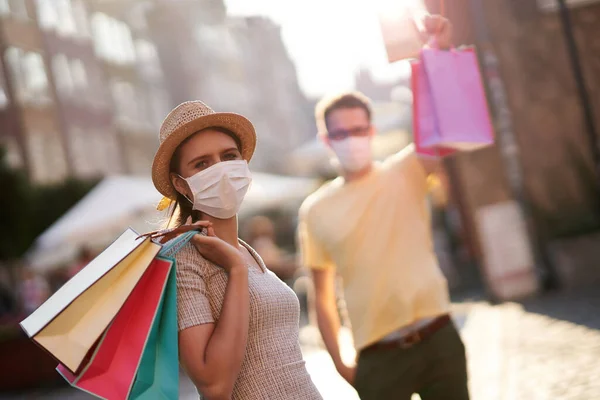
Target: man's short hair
[{"x": 343, "y": 100}]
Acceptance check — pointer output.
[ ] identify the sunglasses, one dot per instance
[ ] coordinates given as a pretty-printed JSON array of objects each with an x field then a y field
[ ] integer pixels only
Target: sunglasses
[{"x": 341, "y": 134}]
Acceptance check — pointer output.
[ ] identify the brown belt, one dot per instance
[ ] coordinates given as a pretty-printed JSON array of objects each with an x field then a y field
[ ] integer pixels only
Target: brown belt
[{"x": 412, "y": 338}]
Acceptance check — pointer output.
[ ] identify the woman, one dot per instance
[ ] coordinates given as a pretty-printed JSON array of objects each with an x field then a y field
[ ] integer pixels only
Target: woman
[{"x": 238, "y": 323}]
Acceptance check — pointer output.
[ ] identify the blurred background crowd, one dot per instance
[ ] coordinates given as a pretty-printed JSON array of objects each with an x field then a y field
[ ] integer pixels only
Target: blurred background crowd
[{"x": 85, "y": 84}]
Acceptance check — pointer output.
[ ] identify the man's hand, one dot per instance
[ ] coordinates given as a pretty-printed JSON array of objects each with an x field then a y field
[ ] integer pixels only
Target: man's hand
[
  {"x": 431, "y": 165},
  {"x": 348, "y": 373},
  {"x": 438, "y": 30}
]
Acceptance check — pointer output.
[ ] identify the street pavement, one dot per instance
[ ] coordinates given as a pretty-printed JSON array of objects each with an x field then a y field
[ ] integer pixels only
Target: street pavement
[{"x": 545, "y": 348}]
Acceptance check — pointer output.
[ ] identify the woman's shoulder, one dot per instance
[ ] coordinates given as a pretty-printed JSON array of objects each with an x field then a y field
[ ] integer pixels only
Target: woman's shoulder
[{"x": 188, "y": 257}]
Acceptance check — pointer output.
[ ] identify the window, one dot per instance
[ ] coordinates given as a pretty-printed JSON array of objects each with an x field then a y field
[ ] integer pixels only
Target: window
[
  {"x": 70, "y": 76},
  {"x": 79, "y": 75},
  {"x": 67, "y": 17},
  {"x": 19, "y": 9},
  {"x": 13, "y": 61},
  {"x": 3, "y": 91},
  {"x": 113, "y": 40},
  {"x": 4, "y": 7},
  {"x": 3, "y": 97},
  {"x": 81, "y": 18},
  {"x": 36, "y": 80},
  {"x": 15, "y": 8},
  {"x": 62, "y": 75},
  {"x": 125, "y": 101},
  {"x": 29, "y": 76},
  {"x": 47, "y": 14},
  {"x": 14, "y": 157},
  {"x": 147, "y": 60},
  {"x": 48, "y": 161},
  {"x": 101, "y": 34},
  {"x": 125, "y": 38}
]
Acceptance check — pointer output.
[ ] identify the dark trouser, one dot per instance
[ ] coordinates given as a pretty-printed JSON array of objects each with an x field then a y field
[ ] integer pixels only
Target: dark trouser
[{"x": 434, "y": 368}]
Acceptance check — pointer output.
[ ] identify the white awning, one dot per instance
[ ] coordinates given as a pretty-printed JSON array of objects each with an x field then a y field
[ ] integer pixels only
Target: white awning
[{"x": 119, "y": 202}]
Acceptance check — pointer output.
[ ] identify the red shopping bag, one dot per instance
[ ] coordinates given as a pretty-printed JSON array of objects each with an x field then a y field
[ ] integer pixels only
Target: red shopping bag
[
  {"x": 111, "y": 371},
  {"x": 450, "y": 107}
]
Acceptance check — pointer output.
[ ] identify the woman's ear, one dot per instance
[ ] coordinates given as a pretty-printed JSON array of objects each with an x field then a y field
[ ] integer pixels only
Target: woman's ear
[{"x": 180, "y": 185}]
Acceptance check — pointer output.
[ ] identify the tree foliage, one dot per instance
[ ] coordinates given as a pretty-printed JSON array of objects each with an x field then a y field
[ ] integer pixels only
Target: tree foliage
[{"x": 27, "y": 209}]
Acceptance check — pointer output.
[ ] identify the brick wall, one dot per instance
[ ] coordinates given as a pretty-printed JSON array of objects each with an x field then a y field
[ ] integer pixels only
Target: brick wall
[{"x": 547, "y": 115}]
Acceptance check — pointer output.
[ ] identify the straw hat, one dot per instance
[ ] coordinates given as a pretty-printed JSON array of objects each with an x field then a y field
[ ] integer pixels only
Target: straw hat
[{"x": 185, "y": 120}]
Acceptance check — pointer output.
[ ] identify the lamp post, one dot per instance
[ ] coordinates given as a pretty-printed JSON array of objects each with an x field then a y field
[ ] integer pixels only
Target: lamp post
[{"x": 584, "y": 97}]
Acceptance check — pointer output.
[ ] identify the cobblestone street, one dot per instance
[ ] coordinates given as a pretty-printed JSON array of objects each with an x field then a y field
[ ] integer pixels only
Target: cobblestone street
[{"x": 546, "y": 348}]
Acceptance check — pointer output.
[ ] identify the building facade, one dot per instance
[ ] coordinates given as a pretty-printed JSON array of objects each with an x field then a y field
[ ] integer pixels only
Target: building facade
[
  {"x": 234, "y": 64},
  {"x": 276, "y": 104},
  {"x": 85, "y": 84},
  {"x": 31, "y": 128},
  {"x": 134, "y": 79},
  {"x": 64, "y": 108}
]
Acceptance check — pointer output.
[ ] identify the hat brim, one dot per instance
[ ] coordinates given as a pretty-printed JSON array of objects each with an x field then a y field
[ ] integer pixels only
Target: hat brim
[{"x": 237, "y": 124}]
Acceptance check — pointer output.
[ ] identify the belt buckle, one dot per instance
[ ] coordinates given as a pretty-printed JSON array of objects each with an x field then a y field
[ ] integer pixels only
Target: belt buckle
[{"x": 410, "y": 340}]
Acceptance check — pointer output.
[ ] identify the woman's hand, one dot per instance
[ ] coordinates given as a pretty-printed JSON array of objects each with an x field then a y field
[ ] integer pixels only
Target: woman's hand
[
  {"x": 212, "y": 353},
  {"x": 439, "y": 31},
  {"x": 219, "y": 251}
]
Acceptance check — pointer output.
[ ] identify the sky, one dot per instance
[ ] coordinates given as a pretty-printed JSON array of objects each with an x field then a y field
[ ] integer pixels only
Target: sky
[{"x": 329, "y": 40}]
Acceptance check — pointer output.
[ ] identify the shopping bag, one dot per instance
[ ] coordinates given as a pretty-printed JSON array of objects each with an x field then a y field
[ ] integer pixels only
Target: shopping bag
[
  {"x": 112, "y": 367},
  {"x": 137, "y": 357},
  {"x": 423, "y": 117},
  {"x": 400, "y": 25},
  {"x": 158, "y": 374},
  {"x": 451, "y": 102},
  {"x": 72, "y": 320}
]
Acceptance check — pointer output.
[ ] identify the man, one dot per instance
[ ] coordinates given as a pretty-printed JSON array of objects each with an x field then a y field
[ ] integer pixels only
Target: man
[{"x": 371, "y": 226}]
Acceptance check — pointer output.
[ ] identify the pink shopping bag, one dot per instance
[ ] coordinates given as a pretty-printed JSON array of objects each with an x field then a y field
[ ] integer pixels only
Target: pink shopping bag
[
  {"x": 112, "y": 367},
  {"x": 423, "y": 117},
  {"x": 451, "y": 103}
]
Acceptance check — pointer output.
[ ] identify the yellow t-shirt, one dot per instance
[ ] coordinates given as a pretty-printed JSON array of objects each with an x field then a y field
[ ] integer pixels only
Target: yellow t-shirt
[{"x": 376, "y": 232}]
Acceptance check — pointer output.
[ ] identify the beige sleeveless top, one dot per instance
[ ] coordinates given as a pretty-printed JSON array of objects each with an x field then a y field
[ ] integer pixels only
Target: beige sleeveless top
[{"x": 273, "y": 367}]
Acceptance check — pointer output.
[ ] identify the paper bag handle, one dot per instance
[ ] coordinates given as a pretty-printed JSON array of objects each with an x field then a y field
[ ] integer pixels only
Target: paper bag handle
[
  {"x": 172, "y": 247},
  {"x": 168, "y": 234},
  {"x": 175, "y": 238}
]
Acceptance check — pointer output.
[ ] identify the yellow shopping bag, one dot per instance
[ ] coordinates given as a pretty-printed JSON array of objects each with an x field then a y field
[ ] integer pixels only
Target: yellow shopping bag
[{"x": 70, "y": 322}]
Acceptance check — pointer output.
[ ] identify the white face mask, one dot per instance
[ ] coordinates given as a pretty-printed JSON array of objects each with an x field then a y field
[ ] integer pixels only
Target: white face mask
[
  {"x": 220, "y": 189},
  {"x": 353, "y": 153}
]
